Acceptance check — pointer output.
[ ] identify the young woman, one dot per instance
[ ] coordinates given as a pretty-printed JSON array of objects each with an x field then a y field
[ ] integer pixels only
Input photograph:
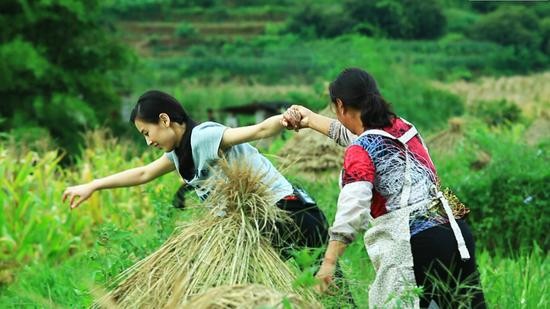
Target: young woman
[
  {"x": 390, "y": 189},
  {"x": 191, "y": 148}
]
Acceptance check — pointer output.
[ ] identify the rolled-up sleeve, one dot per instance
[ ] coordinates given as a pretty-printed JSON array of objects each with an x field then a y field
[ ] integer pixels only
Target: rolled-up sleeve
[
  {"x": 354, "y": 201},
  {"x": 353, "y": 213}
]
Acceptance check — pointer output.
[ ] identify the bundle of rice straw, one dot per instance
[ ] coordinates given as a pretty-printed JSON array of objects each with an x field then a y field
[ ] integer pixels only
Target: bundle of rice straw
[
  {"x": 445, "y": 141},
  {"x": 227, "y": 244},
  {"x": 313, "y": 152},
  {"x": 246, "y": 297}
]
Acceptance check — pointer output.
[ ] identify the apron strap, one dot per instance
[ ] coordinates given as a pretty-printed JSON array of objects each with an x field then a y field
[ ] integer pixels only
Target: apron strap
[
  {"x": 464, "y": 254},
  {"x": 405, "y": 138}
]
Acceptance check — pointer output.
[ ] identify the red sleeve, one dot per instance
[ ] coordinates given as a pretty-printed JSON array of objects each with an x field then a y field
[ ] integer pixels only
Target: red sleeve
[{"x": 358, "y": 166}]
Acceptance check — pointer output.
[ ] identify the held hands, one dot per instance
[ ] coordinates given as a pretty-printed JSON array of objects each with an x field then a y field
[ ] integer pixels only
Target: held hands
[
  {"x": 296, "y": 117},
  {"x": 78, "y": 194}
]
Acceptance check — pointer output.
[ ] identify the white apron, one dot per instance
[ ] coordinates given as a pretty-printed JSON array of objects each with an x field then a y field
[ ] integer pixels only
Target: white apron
[{"x": 389, "y": 247}]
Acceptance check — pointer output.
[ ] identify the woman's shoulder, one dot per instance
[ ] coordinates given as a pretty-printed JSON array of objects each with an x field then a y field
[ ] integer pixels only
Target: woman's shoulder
[
  {"x": 207, "y": 128},
  {"x": 208, "y": 124},
  {"x": 398, "y": 127}
]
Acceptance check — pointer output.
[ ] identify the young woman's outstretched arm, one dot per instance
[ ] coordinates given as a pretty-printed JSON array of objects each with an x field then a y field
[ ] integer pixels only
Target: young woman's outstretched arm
[
  {"x": 234, "y": 136},
  {"x": 131, "y": 177}
]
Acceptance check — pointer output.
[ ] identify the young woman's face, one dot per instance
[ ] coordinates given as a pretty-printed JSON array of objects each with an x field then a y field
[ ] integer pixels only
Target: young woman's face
[{"x": 159, "y": 135}]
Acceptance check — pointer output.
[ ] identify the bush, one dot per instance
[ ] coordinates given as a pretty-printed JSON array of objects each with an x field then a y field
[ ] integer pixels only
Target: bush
[
  {"x": 186, "y": 30},
  {"x": 64, "y": 79},
  {"x": 407, "y": 19},
  {"x": 497, "y": 113},
  {"x": 545, "y": 33},
  {"x": 508, "y": 197},
  {"x": 460, "y": 20},
  {"x": 517, "y": 26},
  {"x": 314, "y": 20}
]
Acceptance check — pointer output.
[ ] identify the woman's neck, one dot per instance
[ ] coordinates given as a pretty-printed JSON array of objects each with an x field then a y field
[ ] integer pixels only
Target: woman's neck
[{"x": 179, "y": 130}]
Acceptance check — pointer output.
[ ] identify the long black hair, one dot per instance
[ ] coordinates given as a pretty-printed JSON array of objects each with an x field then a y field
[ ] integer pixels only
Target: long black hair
[
  {"x": 357, "y": 89},
  {"x": 148, "y": 108}
]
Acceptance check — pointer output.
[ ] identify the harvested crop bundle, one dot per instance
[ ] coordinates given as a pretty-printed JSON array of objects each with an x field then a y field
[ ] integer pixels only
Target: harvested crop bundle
[
  {"x": 313, "y": 152},
  {"x": 247, "y": 297},
  {"x": 229, "y": 243},
  {"x": 445, "y": 141}
]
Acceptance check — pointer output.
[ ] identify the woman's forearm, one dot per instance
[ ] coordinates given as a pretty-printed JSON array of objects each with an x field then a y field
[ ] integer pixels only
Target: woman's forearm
[
  {"x": 127, "y": 178},
  {"x": 319, "y": 123},
  {"x": 335, "y": 249},
  {"x": 234, "y": 136},
  {"x": 270, "y": 127}
]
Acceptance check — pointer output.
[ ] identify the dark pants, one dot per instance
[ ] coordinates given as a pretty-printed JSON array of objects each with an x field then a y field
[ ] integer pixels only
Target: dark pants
[
  {"x": 449, "y": 281},
  {"x": 311, "y": 225}
]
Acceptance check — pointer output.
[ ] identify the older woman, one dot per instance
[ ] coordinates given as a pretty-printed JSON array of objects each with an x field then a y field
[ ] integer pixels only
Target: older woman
[{"x": 390, "y": 189}]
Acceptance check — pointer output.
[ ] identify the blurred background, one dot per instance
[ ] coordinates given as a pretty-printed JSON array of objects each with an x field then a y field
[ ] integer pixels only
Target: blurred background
[{"x": 472, "y": 75}]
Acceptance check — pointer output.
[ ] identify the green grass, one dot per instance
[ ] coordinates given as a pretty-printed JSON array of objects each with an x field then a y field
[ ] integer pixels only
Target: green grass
[{"x": 516, "y": 281}]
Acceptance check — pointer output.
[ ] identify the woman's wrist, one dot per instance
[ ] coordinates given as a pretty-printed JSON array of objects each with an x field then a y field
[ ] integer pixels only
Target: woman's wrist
[{"x": 95, "y": 185}]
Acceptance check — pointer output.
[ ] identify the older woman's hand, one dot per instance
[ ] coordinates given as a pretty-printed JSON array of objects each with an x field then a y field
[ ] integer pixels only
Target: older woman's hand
[
  {"x": 296, "y": 117},
  {"x": 325, "y": 277}
]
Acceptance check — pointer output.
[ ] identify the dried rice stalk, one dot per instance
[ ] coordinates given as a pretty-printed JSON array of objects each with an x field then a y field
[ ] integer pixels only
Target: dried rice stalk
[
  {"x": 308, "y": 152},
  {"x": 213, "y": 250},
  {"x": 444, "y": 142},
  {"x": 246, "y": 297}
]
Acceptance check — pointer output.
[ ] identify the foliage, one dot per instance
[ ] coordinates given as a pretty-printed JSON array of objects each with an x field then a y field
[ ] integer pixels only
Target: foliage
[
  {"x": 517, "y": 280},
  {"x": 400, "y": 19},
  {"x": 459, "y": 20},
  {"x": 507, "y": 196},
  {"x": 64, "y": 79},
  {"x": 496, "y": 113},
  {"x": 516, "y": 26},
  {"x": 186, "y": 30},
  {"x": 38, "y": 224},
  {"x": 69, "y": 77},
  {"x": 396, "y": 19},
  {"x": 545, "y": 30},
  {"x": 427, "y": 107},
  {"x": 312, "y": 20}
]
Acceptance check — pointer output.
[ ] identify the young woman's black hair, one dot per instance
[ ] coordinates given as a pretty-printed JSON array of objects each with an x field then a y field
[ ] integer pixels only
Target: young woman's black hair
[
  {"x": 357, "y": 89},
  {"x": 148, "y": 108}
]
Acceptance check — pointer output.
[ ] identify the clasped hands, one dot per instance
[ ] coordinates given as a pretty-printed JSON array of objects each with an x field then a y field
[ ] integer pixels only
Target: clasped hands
[{"x": 296, "y": 117}]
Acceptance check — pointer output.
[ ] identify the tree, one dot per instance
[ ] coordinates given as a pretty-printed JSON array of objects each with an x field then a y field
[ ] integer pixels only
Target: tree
[
  {"x": 60, "y": 68},
  {"x": 407, "y": 19},
  {"x": 510, "y": 26}
]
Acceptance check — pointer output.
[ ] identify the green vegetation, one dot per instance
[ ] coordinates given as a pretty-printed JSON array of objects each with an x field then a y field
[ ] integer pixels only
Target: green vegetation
[
  {"x": 71, "y": 67},
  {"x": 63, "y": 68},
  {"x": 507, "y": 191}
]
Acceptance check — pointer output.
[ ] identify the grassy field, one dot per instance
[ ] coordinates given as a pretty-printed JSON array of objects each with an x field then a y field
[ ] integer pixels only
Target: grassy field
[{"x": 51, "y": 257}]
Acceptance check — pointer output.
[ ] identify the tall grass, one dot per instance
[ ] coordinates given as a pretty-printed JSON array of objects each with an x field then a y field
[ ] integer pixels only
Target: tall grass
[
  {"x": 519, "y": 281},
  {"x": 34, "y": 224}
]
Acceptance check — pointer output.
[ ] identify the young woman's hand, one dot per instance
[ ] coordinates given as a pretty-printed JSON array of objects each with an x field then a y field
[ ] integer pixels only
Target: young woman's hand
[
  {"x": 78, "y": 194},
  {"x": 325, "y": 277},
  {"x": 296, "y": 117}
]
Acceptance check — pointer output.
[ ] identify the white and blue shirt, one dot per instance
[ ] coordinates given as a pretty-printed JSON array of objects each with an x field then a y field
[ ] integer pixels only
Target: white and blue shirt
[{"x": 205, "y": 145}]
